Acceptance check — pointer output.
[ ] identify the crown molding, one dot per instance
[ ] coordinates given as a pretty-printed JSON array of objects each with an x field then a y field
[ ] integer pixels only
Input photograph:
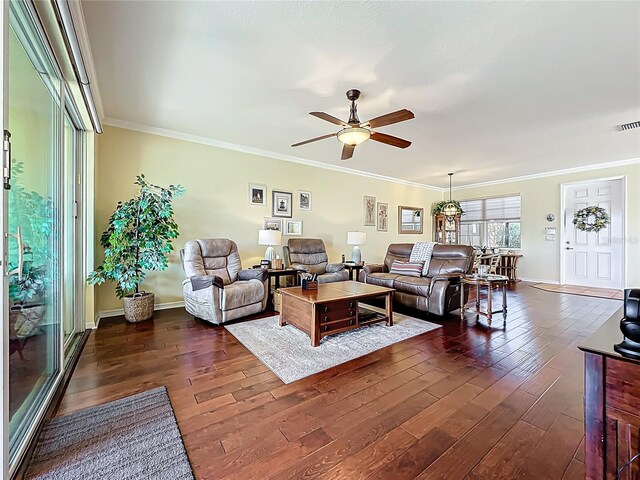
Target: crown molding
[
  {"x": 163, "y": 132},
  {"x": 114, "y": 122},
  {"x": 553, "y": 173}
]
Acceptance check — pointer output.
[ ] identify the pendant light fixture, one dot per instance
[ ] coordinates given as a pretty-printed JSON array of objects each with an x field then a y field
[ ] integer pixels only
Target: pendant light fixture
[{"x": 450, "y": 210}]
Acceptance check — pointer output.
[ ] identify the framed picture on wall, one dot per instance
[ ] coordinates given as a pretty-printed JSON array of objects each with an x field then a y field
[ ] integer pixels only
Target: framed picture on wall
[
  {"x": 383, "y": 217},
  {"x": 272, "y": 224},
  {"x": 304, "y": 200},
  {"x": 257, "y": 195},
  {"x": 369, "y": 211},
  {"x": 281, "y": 204},
  {"x": 293, "y": 228}
]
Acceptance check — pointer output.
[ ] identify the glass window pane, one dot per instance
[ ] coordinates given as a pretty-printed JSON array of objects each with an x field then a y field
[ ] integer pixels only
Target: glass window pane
[
  {"x": 492, "y": 222},
  {"x": 495, "y": 234},
  {"x": 514, "y": 235},
  {"x": 34, "y": 218},
  {"x": 471, "y": 234}
]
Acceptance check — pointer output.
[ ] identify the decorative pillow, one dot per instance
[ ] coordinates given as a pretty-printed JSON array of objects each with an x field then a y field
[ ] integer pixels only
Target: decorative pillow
[{"x": 410, "y": 269}]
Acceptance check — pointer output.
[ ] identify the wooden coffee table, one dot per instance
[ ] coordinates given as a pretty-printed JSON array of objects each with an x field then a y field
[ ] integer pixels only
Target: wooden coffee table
[{"x": 333, "y": 308}]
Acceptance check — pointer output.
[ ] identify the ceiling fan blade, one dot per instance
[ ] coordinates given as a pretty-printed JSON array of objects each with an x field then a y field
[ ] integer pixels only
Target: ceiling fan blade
[
  {"x": 347, "y": 151},
  {"x": 329, "y": 118},
  {"x": 314, "y": 139},
  {"x": 389, "y": 118},
  {"x": 390, "y": 140}
]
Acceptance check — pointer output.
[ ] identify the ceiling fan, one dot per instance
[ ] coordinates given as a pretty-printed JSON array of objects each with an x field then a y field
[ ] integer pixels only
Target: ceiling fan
[{"x": 354, "y": 132}]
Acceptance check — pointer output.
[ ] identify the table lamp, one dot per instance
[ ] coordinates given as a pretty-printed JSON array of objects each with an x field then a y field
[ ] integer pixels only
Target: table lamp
[
  {"x": 270, "y": 238},
  {"x": 356, "y": 239}
]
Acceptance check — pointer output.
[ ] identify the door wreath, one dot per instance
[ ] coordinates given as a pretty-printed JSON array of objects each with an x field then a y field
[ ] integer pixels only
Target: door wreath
[{"x": 591, "y": 219}]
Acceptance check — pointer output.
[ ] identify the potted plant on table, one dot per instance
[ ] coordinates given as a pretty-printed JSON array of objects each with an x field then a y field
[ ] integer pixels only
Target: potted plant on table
[{"x": 138, "y": 238}]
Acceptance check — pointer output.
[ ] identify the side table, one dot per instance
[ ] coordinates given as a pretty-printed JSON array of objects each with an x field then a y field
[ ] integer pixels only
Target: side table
[
  {"x": 485, "y": 281},
  {"x": 276, "y": 275},
  {"x": 283, "y": 272},
  {"x": 353, "y": 267},
  {"x": 509, "y": 266}
]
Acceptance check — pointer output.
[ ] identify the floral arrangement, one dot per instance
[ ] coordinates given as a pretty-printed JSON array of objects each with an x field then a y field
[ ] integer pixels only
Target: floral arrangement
[{"x": 591, "y": 219}]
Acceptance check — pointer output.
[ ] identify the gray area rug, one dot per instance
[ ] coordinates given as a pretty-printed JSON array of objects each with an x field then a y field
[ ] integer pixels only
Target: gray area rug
[
  {"x": 136, "y": 437},
  {"x": 287, "y": 351}
]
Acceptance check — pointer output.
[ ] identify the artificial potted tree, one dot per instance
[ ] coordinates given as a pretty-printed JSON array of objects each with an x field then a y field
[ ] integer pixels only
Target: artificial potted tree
[{"x": 138, "y": 238}]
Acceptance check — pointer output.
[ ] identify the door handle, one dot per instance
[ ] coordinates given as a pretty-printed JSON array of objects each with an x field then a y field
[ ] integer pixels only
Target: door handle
[
  {"x": 568, "y": 248},
  {"x": 18, "y": 269},
  {"x": 6, "y": 167}
]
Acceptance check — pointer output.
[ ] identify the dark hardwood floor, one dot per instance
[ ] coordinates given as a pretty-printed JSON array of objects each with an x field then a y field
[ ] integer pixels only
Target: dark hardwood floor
[{"x": 464, "y": 401}]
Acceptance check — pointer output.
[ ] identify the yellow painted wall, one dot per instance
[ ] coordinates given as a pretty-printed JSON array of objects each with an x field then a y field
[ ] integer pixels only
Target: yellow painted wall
[
  {"x": 216, "y": 203},
  {"x": 541, "y": 196}
]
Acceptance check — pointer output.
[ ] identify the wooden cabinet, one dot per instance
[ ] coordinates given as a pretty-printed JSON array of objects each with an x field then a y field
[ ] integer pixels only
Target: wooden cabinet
[
  {"x": 621, "y": 434},
  {"x": 612, "y": 397},
  {"x": 446, "y": 230}
]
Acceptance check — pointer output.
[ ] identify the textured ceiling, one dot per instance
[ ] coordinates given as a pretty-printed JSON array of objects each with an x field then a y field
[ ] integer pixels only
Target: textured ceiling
[{"x": 498, "y": 89}]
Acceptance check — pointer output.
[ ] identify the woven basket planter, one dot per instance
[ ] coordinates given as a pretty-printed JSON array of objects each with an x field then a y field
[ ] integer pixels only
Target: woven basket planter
[
  {"x": 26, "y": 321},
  {"x": 277, "y": 301},
  {"x": 139, "y": 306}
]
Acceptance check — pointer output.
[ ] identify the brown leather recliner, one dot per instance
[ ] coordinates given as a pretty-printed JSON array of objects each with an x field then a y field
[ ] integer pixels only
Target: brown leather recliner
[
  {"x": 216, "y": 288},
  {"x": 310, "y": 255},
  {"x": 438, "y": 292}
]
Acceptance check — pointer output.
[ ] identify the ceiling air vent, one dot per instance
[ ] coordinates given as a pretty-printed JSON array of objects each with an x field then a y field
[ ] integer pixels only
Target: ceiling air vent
[{"x": 629, "y": 126}]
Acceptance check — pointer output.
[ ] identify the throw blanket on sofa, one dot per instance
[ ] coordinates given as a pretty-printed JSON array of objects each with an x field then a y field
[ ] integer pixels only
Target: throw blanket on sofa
[{"x": 422, "y": 252}]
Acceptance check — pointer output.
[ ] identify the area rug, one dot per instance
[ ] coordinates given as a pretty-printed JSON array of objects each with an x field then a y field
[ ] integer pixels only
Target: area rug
[
  {"x": 136, "y": 437},
  {"x": 580, "y": 290},
  {"x": 288, "y": 353}
]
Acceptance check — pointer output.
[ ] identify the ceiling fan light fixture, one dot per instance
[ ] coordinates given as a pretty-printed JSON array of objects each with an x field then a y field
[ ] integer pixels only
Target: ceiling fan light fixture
[{"x": 354, "y": 135}]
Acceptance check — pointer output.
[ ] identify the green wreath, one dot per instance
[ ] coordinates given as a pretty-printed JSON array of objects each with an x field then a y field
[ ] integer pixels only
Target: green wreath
[{"x": 591, "y": 219}]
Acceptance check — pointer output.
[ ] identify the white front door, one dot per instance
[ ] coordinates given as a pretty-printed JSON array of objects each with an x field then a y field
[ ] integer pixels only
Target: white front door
[{"x": 594, "y": 259}]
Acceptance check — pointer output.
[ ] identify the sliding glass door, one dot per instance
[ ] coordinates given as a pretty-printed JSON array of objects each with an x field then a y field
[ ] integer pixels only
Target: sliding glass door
[
  {"x": 40, "y": 205},
  {"x": 34, "y": 224}
]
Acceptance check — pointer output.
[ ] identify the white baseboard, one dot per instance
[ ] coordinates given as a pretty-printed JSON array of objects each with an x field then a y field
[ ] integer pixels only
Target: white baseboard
[
  {"x": 540, "y": 280},
  {"x": 92, "y": 324},
  {"x": 120, "y": 311}
]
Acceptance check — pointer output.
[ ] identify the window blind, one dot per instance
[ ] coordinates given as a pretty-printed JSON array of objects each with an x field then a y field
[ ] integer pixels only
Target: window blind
[{"x": 496, "y": 208}]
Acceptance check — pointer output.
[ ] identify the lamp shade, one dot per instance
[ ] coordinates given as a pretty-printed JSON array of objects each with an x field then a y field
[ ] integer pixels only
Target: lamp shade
[
  {"x": 356, "y": 238},
  {"x": 269, "y": 237},
  {"x": 354, "y": 135},
  {"x": 450, "y": 209}
]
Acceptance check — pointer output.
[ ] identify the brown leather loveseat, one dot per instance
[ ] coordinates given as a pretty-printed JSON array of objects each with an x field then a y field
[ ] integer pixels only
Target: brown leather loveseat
[{"x": 438, "y": 292}]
